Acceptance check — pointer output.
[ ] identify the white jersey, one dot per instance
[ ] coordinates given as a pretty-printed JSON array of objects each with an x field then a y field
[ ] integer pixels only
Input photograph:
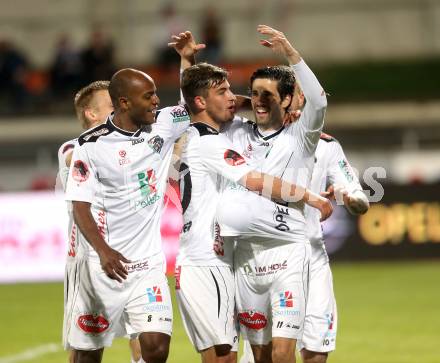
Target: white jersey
[
  {"x": 331, "y": 167},
  {"x": 123, "y": 175},
  {"x": 75, "y": 247},
  {"x": 288, "y": 154},
  {"x": 208, "y": 159}
]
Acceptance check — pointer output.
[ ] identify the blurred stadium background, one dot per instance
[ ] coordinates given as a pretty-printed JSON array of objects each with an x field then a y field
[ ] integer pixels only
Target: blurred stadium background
[{"x": 378, "y": 60}]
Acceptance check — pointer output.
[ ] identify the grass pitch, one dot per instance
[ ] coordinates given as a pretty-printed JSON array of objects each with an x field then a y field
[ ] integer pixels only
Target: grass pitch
[{"x": 388, "y": 313}]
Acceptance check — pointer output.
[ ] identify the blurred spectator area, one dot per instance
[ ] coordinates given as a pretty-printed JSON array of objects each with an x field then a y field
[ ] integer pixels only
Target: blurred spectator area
[{"x": 379, "y": 61}]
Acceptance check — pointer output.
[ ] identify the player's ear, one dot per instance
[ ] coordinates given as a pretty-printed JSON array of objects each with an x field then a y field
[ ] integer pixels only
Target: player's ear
[
  {"x": 89, "y": 115},
  {"x": 286, "y": 101},
  {"x": 124, "y": 103},
  {"x": 200, "y": 103}
]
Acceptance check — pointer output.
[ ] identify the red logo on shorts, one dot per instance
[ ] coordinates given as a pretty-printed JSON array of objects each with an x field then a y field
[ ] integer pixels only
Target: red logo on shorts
[
  {"x": 252, "y": 319},
  {"x": 93, "y": 324},
  {"x": 233, "y": 158},
  {"x": 80, "y": 171}
]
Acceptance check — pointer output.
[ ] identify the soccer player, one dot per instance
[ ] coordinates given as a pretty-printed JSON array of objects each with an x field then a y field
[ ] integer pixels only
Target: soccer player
[
  {"x": 204, "y": 276},
  {"x": 117, "y": 181},
  {"x": 331, "y": 171},
  {"x": 272, "y": 254},
  {"x": 92, "y": 106}
]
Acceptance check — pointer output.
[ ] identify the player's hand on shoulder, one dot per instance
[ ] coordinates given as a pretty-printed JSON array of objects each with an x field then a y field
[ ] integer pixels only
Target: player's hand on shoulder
[
  {"x": 185, "y": 44},
  {"x": 278, "y": 42},
  {"x": 111, "y": 263}
]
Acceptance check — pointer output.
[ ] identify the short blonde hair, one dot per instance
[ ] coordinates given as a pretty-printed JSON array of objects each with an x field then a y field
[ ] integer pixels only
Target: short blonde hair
[{"x": 83, "y": 98}]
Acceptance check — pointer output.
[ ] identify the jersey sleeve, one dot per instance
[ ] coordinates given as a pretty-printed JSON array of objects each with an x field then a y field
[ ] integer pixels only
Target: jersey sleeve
[
  {"x": 63, "y": 170},
  {"x": 311, "y": 121},
  {"x": 171, "y": 123},
  {"x": 217, "y": 154},
  {"x": 82, "y": 183},
  {"x": 339, "y": 170}
]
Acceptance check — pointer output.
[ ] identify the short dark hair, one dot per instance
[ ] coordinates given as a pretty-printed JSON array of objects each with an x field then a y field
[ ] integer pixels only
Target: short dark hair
[
  {"x": 283, "y": 74},
  {"x": 84, "y": 96},
  {"x": 198, "y": 79}
]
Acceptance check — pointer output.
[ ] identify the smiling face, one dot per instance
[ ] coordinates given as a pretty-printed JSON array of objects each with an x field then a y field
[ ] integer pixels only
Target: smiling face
[
  {"x": 142, "y": 101},
  {"x": 267, "y": 105},
  {"x": 220, "y": 103}
]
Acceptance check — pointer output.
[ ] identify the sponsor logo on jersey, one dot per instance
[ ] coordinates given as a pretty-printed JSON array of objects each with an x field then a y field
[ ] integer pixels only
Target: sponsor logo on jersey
[
  {"x": 286, "y": 299},
  {"x": 154, "y": 294},
  {"x": 101, "y": 223},
  {"x": 343, "y": 165},
  {"x": 123, "y": 160},
  {"x": 177, "y": 273},
  {"x": 137, "y": 141},
  {"x": 93, "y": 323},
  {"x": 80, "y": 171},
  {"x": 147, "y": 185},
  {"x": 280, "y": 218},
  {"x": 72, "y": 241},
  {"x": 252, "y": 319},
  {"x": 179, "y": 114},
  {"x": 96, "y": 133},
  {"x": 264, "y": 270},
  {"x": 156, "y": 143},
  {"x": 233, "y": 158},
  {"x": 218, "y": 241},
  {"x": 138, "y": 266}
]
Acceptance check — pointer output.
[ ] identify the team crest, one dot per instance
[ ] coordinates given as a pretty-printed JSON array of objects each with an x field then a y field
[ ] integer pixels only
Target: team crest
[
  {"x": 80, "y": 171},
  {"x": 156, "y": 143}
]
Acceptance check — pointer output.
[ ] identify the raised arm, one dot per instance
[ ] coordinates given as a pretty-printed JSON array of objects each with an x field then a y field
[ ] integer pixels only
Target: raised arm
[
  {"x": 316, "y": 101},
  {"x": 186, "y": 46}
]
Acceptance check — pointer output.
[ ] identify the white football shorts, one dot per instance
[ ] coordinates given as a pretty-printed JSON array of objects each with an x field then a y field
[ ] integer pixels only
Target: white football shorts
[
  {"x": 321, "y": 320},
  {"x": 271, "y": 289},
  {"x": 205, "y": 296},
  {"x": 99, "y": 308}
]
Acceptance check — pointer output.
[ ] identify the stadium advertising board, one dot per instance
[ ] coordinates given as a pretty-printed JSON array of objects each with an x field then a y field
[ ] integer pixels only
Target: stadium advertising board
[{"x": 404, "y": 224}]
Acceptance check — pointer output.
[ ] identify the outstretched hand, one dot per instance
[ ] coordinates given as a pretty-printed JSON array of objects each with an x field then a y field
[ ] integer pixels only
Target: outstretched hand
[
  {"x": 185, "y": 45},
  {"x": 278, "y": 43}
]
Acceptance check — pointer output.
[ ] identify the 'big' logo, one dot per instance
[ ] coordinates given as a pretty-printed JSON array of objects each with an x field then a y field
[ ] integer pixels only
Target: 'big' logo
[
  {"x": 147, "y": 182},
  {"x": 93, "y": 324},
  {"x": 154, "y": 294},
  {"x": 286, "y": 299}
]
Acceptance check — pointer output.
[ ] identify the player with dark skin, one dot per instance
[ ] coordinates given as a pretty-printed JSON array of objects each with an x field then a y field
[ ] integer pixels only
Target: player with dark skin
[{"x": 135, "y": 101}]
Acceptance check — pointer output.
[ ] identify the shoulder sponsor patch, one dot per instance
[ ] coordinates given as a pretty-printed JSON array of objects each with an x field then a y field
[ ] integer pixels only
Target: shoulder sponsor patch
[
  {"x": 156, "y": 143},
  {"x": 80, "y": 172},
  {"x": 179, "y": 114},
  {"x": 233, "y": 158},
  {"x": 327, "y": 137}
]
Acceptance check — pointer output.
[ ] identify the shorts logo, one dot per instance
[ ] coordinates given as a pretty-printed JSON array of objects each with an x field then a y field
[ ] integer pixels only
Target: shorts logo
[
  {"x": 252, "y": 319},
  {"x": 154, "y": 294},
  {"x": 156, "y": 143},
  {"x": 93, "y": 324},
  {"x": 233, "y": 158},
  {"x": 286, "y": 299},
  {"x": 80, "y": 171},
  {"x": 330, "y": 320}
]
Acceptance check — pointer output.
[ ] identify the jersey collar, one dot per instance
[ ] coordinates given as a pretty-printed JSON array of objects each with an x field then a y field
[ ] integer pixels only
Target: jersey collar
[
  {"x": 267, "y": 137},
  {"x": 113, "y": 127}
]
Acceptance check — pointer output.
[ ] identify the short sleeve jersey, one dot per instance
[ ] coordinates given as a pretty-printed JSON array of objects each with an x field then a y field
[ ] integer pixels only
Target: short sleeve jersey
[
  {"x": 208, "y": 161},
  {"x": 287, "y": 153},
  {"x": 331, "y": 167},
  {"x": 75, "y": 248},
  {"x": 123, "y": 175}
]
